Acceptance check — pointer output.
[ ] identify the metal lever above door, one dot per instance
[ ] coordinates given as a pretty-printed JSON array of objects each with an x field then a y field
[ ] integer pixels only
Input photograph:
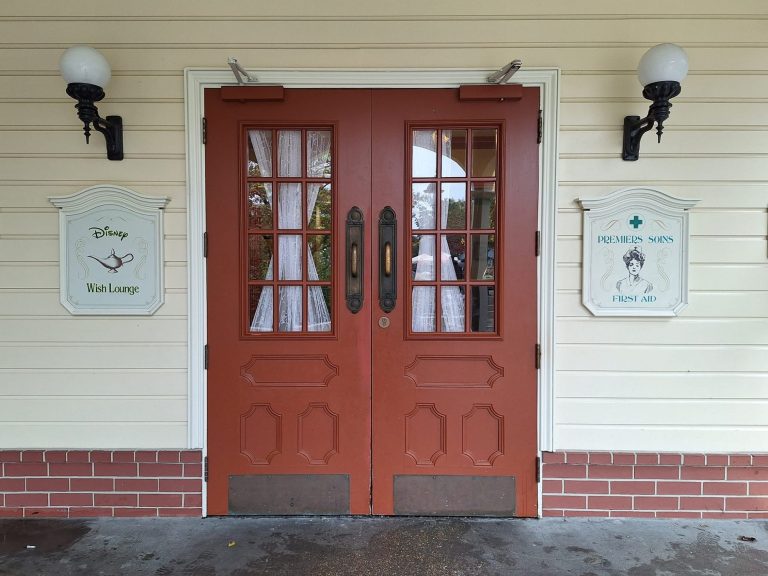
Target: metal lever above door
[
  {"x": 354, "y": 255},
  {"x": 387, "y": 259}
]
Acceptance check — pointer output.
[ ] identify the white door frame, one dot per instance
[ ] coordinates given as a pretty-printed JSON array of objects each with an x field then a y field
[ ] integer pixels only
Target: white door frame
[{"x": 195, "y": 82}]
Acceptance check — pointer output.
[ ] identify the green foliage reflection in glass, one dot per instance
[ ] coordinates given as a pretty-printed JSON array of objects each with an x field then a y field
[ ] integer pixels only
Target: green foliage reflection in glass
[
  {"x": 260, "y": 205},
  {"x": 321, "y": 216},
  {"x": 320, "y": 248}
]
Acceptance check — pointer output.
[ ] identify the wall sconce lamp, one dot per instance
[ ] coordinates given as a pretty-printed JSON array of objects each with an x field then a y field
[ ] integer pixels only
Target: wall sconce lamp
[
  {"x": 660, "y": 71},
  {"x": 87, "y": 72}
]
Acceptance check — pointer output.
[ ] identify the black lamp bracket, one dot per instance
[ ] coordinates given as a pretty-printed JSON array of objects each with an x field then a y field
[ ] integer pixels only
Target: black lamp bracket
[
  {"x": 660, "y": 93},
  {"x": 111, "y": 126}
]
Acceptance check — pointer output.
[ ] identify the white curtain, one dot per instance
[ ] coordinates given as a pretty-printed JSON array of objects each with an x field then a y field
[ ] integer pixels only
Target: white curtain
[
  {"x": 289, "y": 245},
  {"x": 452, "y": 300},
  {"x": 318, "y": 149},
  {"x": 423, "y": 298}
]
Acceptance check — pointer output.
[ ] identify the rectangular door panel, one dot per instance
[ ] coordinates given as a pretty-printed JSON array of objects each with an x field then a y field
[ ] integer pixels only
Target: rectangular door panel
[
  {"x": 454, "y": 381},
  {"x": 289, "y": 364}
]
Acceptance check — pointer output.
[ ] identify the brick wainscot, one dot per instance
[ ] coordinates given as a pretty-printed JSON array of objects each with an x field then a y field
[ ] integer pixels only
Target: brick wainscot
[
  {"x": 80, "y": 483},
  {"x": 655, "y": 485}
]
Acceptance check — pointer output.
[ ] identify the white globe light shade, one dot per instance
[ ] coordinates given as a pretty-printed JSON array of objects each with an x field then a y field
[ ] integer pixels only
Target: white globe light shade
[
  {"x": 663, "y": 63},
  {"x": 85, "y": 65}
]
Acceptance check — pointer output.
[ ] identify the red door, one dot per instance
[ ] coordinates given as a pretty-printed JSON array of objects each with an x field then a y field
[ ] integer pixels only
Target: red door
[{"x": 371, "y": 302}]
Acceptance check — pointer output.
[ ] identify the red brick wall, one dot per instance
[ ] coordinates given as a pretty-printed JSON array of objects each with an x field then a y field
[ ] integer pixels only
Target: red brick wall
[
  {"x": 655, "y": 485},
  {"x": 77, "y": 483}
]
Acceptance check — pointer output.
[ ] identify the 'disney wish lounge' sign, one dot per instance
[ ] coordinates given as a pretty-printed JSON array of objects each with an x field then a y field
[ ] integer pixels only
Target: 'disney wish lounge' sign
[
  {"x": 635, "y": 253},
  {"x": 111, "y": 251}
]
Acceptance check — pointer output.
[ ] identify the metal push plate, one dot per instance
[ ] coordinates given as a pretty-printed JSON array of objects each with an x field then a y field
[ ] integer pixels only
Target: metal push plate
[
  {"x": 454, "y": 495},
  {"x": 289, "y": 494}
]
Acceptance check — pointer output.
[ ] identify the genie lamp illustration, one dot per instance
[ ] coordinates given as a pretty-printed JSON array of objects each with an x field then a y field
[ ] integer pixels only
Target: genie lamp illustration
[{"x": 113, "y": 262}]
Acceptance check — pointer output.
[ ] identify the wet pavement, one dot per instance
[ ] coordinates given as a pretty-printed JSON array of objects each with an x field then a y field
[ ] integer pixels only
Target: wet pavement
[{"x": 382, "y": 546}]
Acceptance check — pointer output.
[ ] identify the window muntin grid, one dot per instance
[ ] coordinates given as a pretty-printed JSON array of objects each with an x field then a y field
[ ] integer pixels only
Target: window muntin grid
[
  {"x": 288, "y": 205},
  {"x": 453, "y": 183}
]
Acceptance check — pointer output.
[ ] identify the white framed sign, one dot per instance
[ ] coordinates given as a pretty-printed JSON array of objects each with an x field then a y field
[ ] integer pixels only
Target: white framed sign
[
  {"x": 111, "y": 251},
  {"x": 635, "y": 251}
]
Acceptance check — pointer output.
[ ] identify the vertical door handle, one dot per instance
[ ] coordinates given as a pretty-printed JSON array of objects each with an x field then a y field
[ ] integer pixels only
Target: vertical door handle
[
  {"x": 354, "y": 259},
  {"x": 387, "y": 259},
  {"x": 354, "y": 256}
]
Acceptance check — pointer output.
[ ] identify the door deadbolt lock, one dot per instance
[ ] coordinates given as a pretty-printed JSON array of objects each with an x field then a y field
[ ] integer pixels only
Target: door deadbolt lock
[{"x": 384, "y": 322}]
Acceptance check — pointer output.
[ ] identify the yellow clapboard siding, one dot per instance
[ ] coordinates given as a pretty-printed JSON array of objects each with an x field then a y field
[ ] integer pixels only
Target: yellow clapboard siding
[
  {"x": 83, "y": 384},
  {"x": 662, "y": 331},
  {"x": 20, "y": 303},
  {"x": 682, "y": 114},
  {"x": 74, "y": 168},
  {"x": 300, "y": 32},
  {"x": 90, "y": 435},
  {"x": 710, "y": 195},
  {"x": 39, "y": 143},
  {"x": 665, "y": 167},
  {"x": 651, "y": 358},
  {"x": 91, "y": 355},
  {"x": 701, "y": 222},
  {"x": 35, "y": 194},
  {"x": 698, "y": 85},
  {"x": 94, "y": 329},
  {"x": 122, "y": 87},
  {"x": 735, "y": 304},
  {"x": 672, "y": 438},
  {"x": 677, "y": 141},
  {"x": 649, "y": 385},
  {"x": 352, "y": 8},
  {"x": 734, "y": 277},
  {"x": 752, "y": 304},
  {"x": 414, "y": 55},
  {"x": 658, "y": 412},
  {"x": 121, "y": 409},
  {"x": 61, "y": 114}
]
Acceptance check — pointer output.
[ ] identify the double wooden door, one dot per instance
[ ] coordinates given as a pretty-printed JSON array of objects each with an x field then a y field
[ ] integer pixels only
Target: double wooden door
[{"x": 371, "y": 278}]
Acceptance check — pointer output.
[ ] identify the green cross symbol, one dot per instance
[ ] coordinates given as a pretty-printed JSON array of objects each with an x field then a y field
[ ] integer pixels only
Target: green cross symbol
[{"x": 635, "y": 222}]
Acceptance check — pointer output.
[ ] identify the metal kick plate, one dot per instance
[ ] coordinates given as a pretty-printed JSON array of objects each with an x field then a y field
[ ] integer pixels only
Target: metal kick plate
[
  {"x": 454, "y": 495},
  {"x": 289, "y": 494}
]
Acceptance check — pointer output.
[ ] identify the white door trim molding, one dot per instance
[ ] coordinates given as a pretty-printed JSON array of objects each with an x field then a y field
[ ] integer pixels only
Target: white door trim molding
[{"x": 195, "y": 82}]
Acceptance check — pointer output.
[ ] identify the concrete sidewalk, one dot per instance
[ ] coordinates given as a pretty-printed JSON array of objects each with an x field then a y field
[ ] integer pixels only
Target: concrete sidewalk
[{"x": 382, "y": 546}]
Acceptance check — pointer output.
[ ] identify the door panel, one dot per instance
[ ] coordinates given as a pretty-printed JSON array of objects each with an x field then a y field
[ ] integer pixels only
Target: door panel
[
  {"x": 454, "y": 381},
  {"x": 289, "y": 364},
  {"x": 392, "y": 343}
]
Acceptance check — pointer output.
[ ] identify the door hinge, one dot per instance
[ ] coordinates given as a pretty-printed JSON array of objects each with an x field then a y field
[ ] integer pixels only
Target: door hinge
[
  {"x": 205, "y": 244},
  {"x": 538, "y": 470},
  {"x": 205, "y": 356},
  {"x": 537, "y": 248},
  {"x": 541, "y": 128},
  {"x": 538, "y": 356},
  {"x": 205, "y": 469},
  {"x": 205, "y": 130}
]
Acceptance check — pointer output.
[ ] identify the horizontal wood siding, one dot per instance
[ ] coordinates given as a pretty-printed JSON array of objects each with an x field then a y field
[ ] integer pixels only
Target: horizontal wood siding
[{"x": 697, "y": 382}]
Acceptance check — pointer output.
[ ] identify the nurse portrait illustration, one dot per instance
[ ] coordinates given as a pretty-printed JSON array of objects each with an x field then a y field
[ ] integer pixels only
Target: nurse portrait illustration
[{"x": 634, "y": 259}]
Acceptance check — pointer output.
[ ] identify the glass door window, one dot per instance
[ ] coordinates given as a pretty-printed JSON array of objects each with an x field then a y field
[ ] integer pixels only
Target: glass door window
[
  {"x": 289, "y": 210},
  {"x": 453, "y": 184}
]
